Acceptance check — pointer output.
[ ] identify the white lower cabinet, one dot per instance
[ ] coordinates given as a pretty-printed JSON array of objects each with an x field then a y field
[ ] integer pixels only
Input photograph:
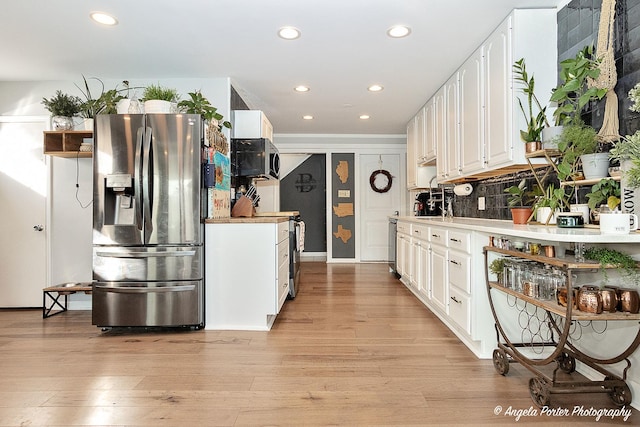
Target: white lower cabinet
[
  {"x": 247, "y": 274},
  {"x": 447, "y": 276}
]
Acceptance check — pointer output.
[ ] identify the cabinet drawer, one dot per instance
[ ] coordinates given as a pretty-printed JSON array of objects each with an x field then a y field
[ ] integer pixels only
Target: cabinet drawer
[
  {"x": 283, "y": 231},
  {"x": 420, "y": 231},
  {"x": 438, "y": 236},
  {"x": 460, "y": 241},
  {"x": 459, "y": 270},
  {"x": 460, "y": 309},
  {"x": 283, "y": 253},
  {"x": 404, "y": 227}
]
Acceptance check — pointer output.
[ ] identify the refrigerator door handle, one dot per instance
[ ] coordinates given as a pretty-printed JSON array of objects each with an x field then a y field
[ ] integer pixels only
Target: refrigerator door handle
[
  {"x": 138, "y": 177},
  {"x": 146, "y": 184},
  {"x": 144, "y": 254},
  {"x": 144, "y": 289}
]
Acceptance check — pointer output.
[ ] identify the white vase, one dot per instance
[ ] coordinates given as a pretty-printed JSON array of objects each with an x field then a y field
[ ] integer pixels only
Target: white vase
[
  {"x": 595, "y": 166},
  {"x": 85, "y": 124},
  {"x": 157, "y": 106},
  {"x": 544, "y": 213}
]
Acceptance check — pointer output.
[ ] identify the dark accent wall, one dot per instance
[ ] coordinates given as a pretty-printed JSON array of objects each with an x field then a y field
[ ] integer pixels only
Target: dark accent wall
[
  {"x": 578, "y": 24},
  {"x": 304, "y": 190},
  {"x": 343, "y": 233}
]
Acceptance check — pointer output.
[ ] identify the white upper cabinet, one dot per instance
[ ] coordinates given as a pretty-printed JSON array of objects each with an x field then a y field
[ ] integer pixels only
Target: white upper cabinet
[
  {"x": 489, "y": 120},
  {"x": 411, "y": 153},
  {"x": 471, "y": 87},
  {"x": 418, "y": 175},
  {"x": 429, "y": 137},
  {"x": 251, "y": 124}
]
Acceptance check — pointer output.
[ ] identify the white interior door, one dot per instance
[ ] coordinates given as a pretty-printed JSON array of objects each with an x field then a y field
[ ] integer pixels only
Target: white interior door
[
  {"x": 377, "y": 207},
  {"x": 23, "y": 195}
]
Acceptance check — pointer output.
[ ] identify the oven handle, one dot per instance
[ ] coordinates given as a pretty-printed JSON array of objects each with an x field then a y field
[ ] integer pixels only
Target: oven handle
[{"x": 144, "y": 289}]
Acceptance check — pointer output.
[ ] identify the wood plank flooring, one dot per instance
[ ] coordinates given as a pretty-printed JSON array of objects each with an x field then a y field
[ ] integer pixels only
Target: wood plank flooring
[{"x": 354, "y": 348}]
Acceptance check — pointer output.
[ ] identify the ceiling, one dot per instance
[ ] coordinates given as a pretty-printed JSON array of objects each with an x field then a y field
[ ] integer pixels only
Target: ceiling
[{"x": 342, "y": 50}]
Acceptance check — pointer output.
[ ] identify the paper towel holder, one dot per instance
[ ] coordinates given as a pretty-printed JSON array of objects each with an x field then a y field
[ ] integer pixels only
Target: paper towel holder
[{"x": 463, "y": 189}]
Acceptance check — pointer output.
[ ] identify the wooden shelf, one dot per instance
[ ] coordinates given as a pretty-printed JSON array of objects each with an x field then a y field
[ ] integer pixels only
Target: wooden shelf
[
  {"x": 587, "y": 181},
  {"x": 66, "y": 143},
  {"x": 560, "y": 310}
]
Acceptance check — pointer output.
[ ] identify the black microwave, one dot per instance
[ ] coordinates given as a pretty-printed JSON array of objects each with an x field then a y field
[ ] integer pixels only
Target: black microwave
[{"x": 255, "y": 158}]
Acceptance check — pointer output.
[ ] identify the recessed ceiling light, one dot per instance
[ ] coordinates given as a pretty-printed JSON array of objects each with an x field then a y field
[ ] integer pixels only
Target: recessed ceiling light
[
  {"x": 103, "y": 18},
  {"x": 398, "y": 31},
  {"x": 289, "y": 33},
  {"x": 308, "y": 117},
  {"x": 375, "y": 88},
  {"x": 301, "y": 88},
  {"x": 364, "y": 117}
]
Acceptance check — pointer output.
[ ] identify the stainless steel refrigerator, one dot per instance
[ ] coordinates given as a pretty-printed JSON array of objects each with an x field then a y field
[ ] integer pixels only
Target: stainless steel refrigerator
[{"x": 147, "y": 228}]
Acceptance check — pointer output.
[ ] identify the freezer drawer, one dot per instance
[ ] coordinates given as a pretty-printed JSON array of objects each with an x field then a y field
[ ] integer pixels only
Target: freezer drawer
[
  {"x": 119, "y": 304},
  {"x": 143, "y": 264}
]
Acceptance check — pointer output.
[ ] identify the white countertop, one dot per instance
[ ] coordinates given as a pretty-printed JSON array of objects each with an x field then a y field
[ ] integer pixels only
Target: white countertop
[{"x": 537, "y": 231}]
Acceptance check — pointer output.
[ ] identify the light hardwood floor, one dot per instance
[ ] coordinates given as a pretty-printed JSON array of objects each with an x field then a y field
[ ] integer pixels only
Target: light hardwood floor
[{"x": 354, "y": 348}]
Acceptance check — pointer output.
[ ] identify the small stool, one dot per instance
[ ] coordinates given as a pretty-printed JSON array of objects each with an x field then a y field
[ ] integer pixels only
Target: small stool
[{"x": 51, "y": 297}]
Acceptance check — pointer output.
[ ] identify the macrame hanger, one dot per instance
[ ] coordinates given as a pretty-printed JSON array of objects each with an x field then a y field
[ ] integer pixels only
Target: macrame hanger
[
  {"x": 380, "y": 162},
  {"x": 608, "y": 76}
]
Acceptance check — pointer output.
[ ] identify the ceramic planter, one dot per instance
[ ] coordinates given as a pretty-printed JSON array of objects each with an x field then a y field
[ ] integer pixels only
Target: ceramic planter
[
  {"x": 550, "y": 137},
  {"x": 157, "y": 106},
  {"x": 595, "y": 166},
  {"x": 521, "y": 215},
  {"x": 544, "y": 213}
]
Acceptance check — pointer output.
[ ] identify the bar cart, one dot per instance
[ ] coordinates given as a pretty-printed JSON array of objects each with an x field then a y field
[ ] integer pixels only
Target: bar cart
[{"x": 553, "y": 330}]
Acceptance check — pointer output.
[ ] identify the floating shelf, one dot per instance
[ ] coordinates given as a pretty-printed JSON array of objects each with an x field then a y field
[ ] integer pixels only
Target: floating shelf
[{"x": 66, "y": 143}]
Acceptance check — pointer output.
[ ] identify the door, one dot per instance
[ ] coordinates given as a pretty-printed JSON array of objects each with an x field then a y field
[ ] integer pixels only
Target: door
[
  {"x": 23, "y": 195},
  {"x": 376, "y": 206}
]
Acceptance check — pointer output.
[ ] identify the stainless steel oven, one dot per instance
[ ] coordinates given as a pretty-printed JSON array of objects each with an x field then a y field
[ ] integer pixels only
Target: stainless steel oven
[{"x": 296, "y": 245}]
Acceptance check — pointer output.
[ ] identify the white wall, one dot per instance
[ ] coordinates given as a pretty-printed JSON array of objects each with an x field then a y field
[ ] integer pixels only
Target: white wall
[{"x": 70, "y": 225}]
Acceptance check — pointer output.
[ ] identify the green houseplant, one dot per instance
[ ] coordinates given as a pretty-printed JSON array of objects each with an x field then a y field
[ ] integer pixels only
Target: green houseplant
[
  {"x": 551, "y": 201},
  {"x": 536, "y": 122},
  {"x": 159, "y": 99},
  {"x": 63, "y": 107},
  {"x": 577, "y": 140},
  {"x": 199, "y": 104},
  {"x": 611, "y": 257},
  {"x": 627, "y": 149},
  {"x": 607, "y": 191},
  {"x": 520, "y": 200}
]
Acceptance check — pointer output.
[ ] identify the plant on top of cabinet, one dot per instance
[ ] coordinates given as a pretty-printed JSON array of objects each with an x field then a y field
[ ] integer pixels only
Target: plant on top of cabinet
[
  {"x": 606, "y": 191},
  {"x": 520, "y": 200},
  {"x": 159, "y": 99},
  {"x": 62, "y": 108},
  {"x": 199, "y": 104},
  {"x": 535, "y": 122},
  {"x": 627, "y": 149}
]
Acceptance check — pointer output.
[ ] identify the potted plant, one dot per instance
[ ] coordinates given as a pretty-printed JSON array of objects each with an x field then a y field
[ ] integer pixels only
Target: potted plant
[
  {"x": 199, "y": 104},
  {"x": 603, "y": 198},
  {"x": 573, "y": 93},
  {"x": 127, "y": 102},
  {"x": 581, "y": 154},
  {"x": 535, "y": 121},
  {"x": 497, "y": 267},
  {"x": 627, "y": 149},
  {"x": 548, "y": 204},
  {"x": 159, "y": 99},
  {"x": 520, "y": 200},
  {"x": 611, "y": 257},
  {"x": 63, "y": 108},
  {"x": 92, "y": 106}
]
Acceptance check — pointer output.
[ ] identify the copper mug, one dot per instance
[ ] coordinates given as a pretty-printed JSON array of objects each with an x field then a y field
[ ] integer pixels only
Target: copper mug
[
  {"x": 589, "y": 299},
  {"x": 629, "y": 300},
  {"x": 609, "y": 299}
]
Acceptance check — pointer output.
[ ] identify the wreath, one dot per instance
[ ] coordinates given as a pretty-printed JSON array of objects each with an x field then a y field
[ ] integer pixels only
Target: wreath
[{"x": 372, "y": 181}]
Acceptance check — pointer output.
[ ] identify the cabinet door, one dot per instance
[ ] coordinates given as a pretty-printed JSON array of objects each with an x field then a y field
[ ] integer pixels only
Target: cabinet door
[
  {"x": 452, "y": 128},
  {"x": 419, "y": 124},
  {"x": 471, "y": 115},
  {"x": 423, "y": 270},
  {"x": 438, "y": 277},
  {"x": 404, "y": 255},
  {"x": 414, "y": 265},
  {"x": 498, "y": 96},
  {"x": 429, "y": 137},
  {"x": 266, "y": 128},
  {"x": 411, "y": 154},
  {"x": 440, "y": 124}
]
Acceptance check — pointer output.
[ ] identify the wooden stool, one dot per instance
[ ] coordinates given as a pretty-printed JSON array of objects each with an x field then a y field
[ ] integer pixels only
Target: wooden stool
[{"x": 51, "y": 297}]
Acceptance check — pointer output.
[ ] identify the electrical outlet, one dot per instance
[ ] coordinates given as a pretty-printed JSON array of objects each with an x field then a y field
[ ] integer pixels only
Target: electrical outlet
[{"x": 481, "y": 204}]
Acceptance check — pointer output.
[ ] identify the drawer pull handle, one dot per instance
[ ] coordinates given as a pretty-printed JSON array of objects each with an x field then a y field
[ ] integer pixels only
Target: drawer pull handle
[
  {"x": 417, "y": 231},
  {"x": 454, "y": 262},
  {"x": 437, "y": 236},
  {"x": 456, "y": 240},
  {"x": 456, "y": 300}
]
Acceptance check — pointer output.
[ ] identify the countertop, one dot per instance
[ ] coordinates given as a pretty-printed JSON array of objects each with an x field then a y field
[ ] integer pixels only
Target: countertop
[
  {"x": 530, "y": 231},
  {"x": 252, "y": 220}
]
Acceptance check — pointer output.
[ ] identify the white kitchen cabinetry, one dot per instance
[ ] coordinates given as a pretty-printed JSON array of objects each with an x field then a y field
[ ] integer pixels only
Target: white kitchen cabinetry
[
  {"x": 247, "y": 274},
  {"x": 418, "y": 175},
  {"x": 487, "y": 137},
  {"x": 251, "y": 124},
  {"x": 420, "y": 245},
  {"x": 403, "y": 247},
  {"x": 438, "y": 269},
  {"x": 470, "y": 88},
  {"x": 429, "y": 135},
  {"x": 412, "y": 154}
]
